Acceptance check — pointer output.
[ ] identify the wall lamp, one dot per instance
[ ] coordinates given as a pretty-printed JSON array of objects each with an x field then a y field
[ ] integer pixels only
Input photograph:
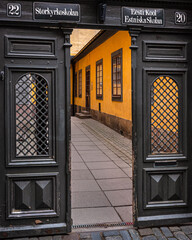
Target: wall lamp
[{"x": 101, "y": 12}]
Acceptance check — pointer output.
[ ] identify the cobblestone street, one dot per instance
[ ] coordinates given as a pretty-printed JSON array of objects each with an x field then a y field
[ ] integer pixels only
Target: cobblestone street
[{"x": 163, "y": 233}]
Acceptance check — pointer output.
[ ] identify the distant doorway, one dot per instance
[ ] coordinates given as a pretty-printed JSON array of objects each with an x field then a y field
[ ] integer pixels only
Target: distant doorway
[{"x": 87, "y": 87}]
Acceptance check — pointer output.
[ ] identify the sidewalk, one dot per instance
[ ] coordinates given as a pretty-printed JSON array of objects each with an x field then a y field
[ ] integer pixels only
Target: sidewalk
[{"x": 101, "y": 174}]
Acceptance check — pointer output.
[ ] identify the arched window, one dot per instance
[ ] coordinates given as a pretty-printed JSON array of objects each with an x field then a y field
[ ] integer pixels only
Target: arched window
[
  {"x": 31, "y": 97},
  {"x": 164, "y": 116}
]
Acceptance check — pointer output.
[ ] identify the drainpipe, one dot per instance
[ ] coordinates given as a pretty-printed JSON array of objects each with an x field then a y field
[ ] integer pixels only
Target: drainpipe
[{"x": 73, "y": 92}]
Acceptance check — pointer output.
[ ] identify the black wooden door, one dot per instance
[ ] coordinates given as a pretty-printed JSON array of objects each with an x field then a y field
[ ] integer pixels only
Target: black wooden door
[
  {"x": 34, "y": 176},
  {"x": 162, "y": 129},
  {"x": 87, "y": 88}
]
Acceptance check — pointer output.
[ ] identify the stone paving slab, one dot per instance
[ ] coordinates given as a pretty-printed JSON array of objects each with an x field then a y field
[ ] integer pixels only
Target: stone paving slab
[
  {"x": 87, "y": 148},
  {"x": 115, "y": 184},
  {"x": 119, "y": 197},
  {"x": 121, "y": 164},
  {"x": 89, "y": 199},
  {"x": 101, "y": 215},
  {"x": 75, "y": 157},
  {"x": 128, "y": 171},
  {"x": 125, "y": 213},
  {"x": 96, "y": 157},
  {"x": 84, "y": 174},
  {"x": 78, "y": 166},
  {"x": 83, "y": 144},
  {"x": 84, "y": 186},
  {"x": 101, "y": 165},
  {"x": 108, "y": 173},
  {"x": 92, "y": 152},
  {"x": 80, "y": 139}
]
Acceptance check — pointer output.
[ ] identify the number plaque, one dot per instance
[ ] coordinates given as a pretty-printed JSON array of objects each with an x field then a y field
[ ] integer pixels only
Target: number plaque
[
  {"x": 180, "y": 18},
  {"x": 14, "y": 10}
]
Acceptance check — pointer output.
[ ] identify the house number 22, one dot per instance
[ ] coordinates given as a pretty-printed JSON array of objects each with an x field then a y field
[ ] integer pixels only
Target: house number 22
[
  {"x": 180, "y": 18},
  {"x": 13, "y": 10}
]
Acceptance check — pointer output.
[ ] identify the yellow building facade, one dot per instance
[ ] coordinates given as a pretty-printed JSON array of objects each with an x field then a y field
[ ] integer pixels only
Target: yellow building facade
[{"x": 102, "y": 70}]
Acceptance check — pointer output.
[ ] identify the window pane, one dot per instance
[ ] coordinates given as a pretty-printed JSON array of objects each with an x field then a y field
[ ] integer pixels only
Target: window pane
[
  {"x": 118, "y": 84},
  {"x": 118, "y": 60},
  {"x": 118, "y": 91},
  {"x": 114, "y": 68},
  {"x": 119, "y": 76},
  {"x": 116, "y": 74},
  {"x": 99, "y": 79}
]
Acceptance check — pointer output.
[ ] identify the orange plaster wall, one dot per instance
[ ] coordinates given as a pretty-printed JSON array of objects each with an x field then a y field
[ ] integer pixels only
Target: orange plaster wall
[{"x": 120, "y": 109}]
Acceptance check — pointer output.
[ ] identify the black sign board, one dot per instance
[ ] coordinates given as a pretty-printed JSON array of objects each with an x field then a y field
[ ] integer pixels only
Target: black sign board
[
  {"x": 56, "y": 11},
  {"x": 142, "y": 16}
]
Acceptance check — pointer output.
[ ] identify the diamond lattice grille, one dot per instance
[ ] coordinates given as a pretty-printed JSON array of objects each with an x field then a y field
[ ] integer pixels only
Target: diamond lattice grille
[
  {"x": 164, "y": 116},
  {"x": 31, "y": 93}
]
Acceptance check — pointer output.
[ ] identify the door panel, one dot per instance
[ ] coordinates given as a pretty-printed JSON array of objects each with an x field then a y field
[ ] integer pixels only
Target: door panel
[
  {"x": 165, "y": 188},
  {"x": 165, "y": 102},
  {"x": 34, "y": 156},
  {"x": 163, "y": 158},
  {"x": 30, "y": 102}
]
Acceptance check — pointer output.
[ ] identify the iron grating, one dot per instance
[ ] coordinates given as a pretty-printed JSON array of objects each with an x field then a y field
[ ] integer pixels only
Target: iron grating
[
  {"x": 102, "y": 225},
  {"x": 32, "y": 135},
  {"x": 164, "y": 116}
]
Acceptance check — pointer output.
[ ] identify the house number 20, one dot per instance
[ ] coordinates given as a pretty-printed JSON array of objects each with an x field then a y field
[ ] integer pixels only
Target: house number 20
[
  {"x": 13, "y": 10},
  {"x": 180, "y": 18}
]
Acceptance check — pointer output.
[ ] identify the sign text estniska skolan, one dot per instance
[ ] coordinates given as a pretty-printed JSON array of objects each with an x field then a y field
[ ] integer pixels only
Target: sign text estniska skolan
[{"x": 142, "y": 16}]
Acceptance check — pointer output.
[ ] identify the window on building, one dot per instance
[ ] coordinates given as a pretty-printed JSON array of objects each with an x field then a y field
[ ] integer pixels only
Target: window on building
[
  {"x": 116, "y": 59},
  {"x": 99, "y": 79},
  {"x": 80, "y": 83},
  {"x": 75, "y": 85}
]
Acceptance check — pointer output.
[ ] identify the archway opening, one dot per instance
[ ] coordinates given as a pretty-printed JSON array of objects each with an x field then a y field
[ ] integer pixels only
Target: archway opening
[{"x": 101, "y": 100}]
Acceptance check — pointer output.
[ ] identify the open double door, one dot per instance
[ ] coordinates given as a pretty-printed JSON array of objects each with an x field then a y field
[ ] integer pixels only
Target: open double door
[{"x": 35, "y": 130}]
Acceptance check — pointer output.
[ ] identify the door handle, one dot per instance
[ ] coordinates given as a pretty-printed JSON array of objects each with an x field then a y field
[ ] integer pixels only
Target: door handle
[{"x": 2, "y": 75}]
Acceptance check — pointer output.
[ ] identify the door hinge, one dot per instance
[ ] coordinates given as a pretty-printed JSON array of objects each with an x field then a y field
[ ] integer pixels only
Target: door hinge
[{"x": 2, "y": 75}]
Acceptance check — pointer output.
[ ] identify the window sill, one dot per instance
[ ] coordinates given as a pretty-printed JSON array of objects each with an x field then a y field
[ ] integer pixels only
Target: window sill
[
  {"x": 99, "y": 97},
  {"x": 117, "y": 99}
]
